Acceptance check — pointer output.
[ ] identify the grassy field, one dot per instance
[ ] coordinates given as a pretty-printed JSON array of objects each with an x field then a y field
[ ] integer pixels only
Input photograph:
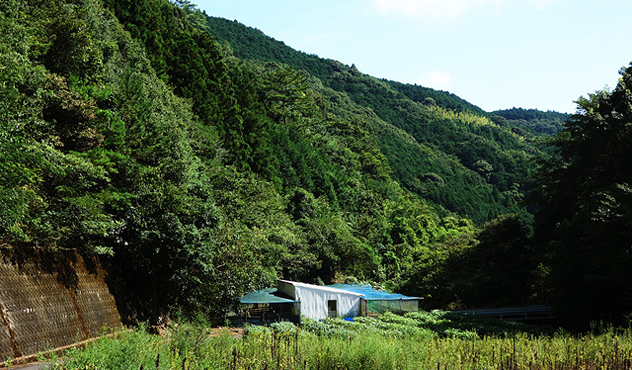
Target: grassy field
[{"x": 416, "y": 341}]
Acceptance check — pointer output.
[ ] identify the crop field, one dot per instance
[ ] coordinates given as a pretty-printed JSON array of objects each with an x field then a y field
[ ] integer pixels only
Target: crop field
[{"x": 415, "y": 341}]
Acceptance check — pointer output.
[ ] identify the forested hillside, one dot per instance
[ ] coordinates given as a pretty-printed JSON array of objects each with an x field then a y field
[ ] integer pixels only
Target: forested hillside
[
  {"x": 126, "y": 132},
  {"x": 533, "y": 121},
  {"x": 202, "y": 159},
  {"x": 438, "y": 145}
]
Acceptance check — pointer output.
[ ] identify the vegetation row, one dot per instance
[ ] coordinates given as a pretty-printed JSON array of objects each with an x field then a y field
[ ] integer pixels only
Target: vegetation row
[{"x": 416, "y": 341}]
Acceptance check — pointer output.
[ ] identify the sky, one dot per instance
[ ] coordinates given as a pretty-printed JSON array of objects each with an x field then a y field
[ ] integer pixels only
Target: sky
[{"x": 496, "y": 54}]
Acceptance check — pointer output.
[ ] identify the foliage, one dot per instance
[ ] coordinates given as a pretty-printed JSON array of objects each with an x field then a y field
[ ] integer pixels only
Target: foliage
[
  {"x": 584, "y": 196},
  {"x": 421, "y": 325},
  {"x": 498, "y": 267},
  {"x": 532, "y": 121},
  {"x": 242, "y": 40},
  {"x": 106, "y": 162},
  {"x": 130, "y": 133},
  {"x": 380, "y": 345},
  {"x": 428, "y": 96}
]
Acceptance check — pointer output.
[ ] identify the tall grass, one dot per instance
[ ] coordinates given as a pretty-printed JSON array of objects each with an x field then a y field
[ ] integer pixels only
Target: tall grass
[{"x": 389, "y": 342}]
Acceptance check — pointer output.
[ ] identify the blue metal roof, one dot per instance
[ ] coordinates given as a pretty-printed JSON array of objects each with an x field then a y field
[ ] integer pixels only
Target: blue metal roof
[
  {"x": 264, "y": 296},
  {"x": 371, "y": 294}
]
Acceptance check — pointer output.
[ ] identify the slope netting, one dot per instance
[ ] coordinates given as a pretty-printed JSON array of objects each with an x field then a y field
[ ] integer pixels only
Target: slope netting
[{"x": 50, "y": 301}]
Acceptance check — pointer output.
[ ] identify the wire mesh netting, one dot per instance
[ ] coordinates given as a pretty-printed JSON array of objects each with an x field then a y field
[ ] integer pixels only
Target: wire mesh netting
[
  {"x": 50, "y": 301},
  {"x": 379, "y": 301},
  {"x": 398, "y": 307}
]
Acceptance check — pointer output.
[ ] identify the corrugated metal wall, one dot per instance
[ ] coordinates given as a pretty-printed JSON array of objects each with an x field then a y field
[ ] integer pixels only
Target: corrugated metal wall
[{"x": 50, "y": 300}]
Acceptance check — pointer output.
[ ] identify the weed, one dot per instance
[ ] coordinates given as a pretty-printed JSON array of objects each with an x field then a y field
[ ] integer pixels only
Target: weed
[{"x": 416, "y": 341}]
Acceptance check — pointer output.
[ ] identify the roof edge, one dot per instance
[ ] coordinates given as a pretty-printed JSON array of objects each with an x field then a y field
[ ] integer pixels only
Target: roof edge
[{"x": 323, "y": 288}]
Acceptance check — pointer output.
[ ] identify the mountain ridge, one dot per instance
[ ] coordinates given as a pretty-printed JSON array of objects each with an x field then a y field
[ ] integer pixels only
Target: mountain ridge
[{"x": 411, "y": 108}]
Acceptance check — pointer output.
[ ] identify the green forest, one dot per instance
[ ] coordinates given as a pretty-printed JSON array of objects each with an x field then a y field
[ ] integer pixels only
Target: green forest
[{"x": 201, "y": 159}]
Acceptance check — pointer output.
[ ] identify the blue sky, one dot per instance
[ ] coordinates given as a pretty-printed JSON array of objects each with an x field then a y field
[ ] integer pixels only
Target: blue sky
[{"x": 496, "y": 54}]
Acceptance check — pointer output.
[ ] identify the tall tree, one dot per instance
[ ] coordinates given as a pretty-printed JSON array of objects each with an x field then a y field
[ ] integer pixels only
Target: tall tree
[{"x": 584, "y": 199}]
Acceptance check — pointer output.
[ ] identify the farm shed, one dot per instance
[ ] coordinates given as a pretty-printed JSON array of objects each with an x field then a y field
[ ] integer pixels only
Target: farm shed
[
  {"x": 321, "y": 302},
  {"x": 290, "y": 300},
  {"x": 378, "y": 301}
]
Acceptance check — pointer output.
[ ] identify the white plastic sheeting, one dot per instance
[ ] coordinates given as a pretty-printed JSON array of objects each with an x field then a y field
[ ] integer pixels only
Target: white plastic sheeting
[{"x": 315, "y": 300}]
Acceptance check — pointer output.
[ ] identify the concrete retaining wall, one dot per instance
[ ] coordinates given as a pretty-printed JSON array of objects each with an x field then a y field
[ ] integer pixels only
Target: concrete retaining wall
[{"x": 50, "y": 300}]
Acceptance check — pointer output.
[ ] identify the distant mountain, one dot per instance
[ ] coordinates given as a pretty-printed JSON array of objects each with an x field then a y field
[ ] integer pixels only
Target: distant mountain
[
  {"x": 534, "y": 121},
  {"x": 444, "y": 99}
]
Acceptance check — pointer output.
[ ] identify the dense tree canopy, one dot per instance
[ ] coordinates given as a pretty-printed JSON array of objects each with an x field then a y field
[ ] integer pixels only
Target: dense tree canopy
[
  {"x": 202, "y": 169},
  {"x": 584, "y": 199},
  {"x": 199, "y": 175},
  {"x": 532, "y": 121}
]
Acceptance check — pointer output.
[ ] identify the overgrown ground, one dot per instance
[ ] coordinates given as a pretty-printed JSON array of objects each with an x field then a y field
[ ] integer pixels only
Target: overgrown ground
[{"x": 416, "y": 341}]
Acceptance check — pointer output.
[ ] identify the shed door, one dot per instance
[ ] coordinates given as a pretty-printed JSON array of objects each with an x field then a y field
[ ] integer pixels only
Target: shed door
[{"x": 332, "y": 308}]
